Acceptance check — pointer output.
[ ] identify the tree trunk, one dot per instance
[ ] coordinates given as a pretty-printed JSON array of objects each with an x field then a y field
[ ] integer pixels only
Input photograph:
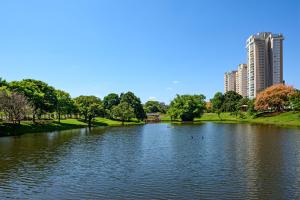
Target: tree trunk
[
  {"x": 90, "y": 122},
  {"x": 58, "y": 117},
  {"x": 33, "y": 117}
]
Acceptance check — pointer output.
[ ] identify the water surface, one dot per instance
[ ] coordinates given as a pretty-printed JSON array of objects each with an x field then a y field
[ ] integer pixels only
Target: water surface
[{"x": 154, "y": 161}]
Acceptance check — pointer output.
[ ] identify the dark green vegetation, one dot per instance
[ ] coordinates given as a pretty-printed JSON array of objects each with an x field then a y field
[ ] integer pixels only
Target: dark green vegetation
[
  {"x": 34, "y": 106},
  {"x": 187, "y": 107},
  {"x": 155, "y": 107}
]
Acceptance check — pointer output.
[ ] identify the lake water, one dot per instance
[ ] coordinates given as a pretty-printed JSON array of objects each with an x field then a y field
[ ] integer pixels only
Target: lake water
[{"x": 154, "y": 161}]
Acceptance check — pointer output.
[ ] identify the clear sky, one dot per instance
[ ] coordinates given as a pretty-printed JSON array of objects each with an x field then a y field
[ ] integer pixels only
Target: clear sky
[{"x": 155, "y": 48}]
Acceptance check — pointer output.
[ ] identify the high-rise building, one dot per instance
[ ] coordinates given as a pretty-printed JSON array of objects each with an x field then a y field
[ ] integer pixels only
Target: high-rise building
[
  {"x": 265, "y": 62},
  {"x": 241, "y": 80},
  {"x": 230, "y": 81}
]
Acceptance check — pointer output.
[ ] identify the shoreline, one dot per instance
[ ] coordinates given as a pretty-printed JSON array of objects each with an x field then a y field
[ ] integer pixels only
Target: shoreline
[{"x": 283, "y": 120}]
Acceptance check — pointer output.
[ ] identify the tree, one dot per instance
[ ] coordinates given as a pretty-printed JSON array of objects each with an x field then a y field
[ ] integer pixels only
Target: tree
[
  {"x": 14, "y": 105},
  {"x": 41, "y": 96},
  {"x": 251, "y": 107},
  {"x": 89, "y": 107},
  {"x": 231, "y": 101},
  {"x": 164, "y": 108},
  {"x": 294, "y": 100},
  {"x": 274, "y": 98},
  {"x": 187, "y": 107},
  {"x": 64, "y": 103},
  {"x": 154, "y": 107},
  {"x": 135, "y": 103},
  {"x": 123, "y": 111},
  {"x": 3, "y": 82},
  {"x": 217, "y": 103},
  {"x": 111, "y": 100}
]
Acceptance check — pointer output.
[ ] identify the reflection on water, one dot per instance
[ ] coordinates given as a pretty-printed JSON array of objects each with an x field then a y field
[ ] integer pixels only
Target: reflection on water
[{"x": 208, "y": 161}]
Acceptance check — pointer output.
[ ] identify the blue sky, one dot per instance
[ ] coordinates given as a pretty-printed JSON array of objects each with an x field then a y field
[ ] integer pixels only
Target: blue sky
[{"x": 155, "y": 48}]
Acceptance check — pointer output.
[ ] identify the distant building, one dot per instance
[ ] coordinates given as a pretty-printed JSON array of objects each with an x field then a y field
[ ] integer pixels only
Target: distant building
[
  {"x": 265, "y": 62},
  {"x": 230, "y": 81},
  {"x": 241, "y": 80}
]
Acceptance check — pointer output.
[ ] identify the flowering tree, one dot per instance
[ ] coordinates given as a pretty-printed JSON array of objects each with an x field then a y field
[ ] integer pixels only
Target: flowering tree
[{"x": 274, "y": 98}]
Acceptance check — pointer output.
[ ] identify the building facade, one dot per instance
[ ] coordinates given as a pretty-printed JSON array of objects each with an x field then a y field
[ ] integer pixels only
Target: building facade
[
  {"x": 242, "y": 80},
  {"x": 230, "y": 81},
  {"x": 265, "y": 62}
]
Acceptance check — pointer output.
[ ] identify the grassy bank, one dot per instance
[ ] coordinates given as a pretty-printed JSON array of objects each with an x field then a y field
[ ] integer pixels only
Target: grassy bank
[
  {"x": 49, "y": 125},
  {"x": 288, "y": 119}
]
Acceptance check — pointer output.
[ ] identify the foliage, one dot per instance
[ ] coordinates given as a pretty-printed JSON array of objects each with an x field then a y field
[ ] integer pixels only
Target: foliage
[
  {"x": 14, "y": 105},
  {"x": 111, "y": 100},
  {"x": 123, "y": 111},
  {"x": 89, "y": 107},
  {"x": 294, "y": 100},
  {"x": 231, "y": 102},
  {"x": 274, "y": 98},
  {"x": 3, "y": 82},
  {"x": 64, "y": 103},
  {"x": 217, "y": 103},
  {"x": 251, "y": 107},
  {"x": 187, "y": 107},
  {"x": 41, "y": 96},
  {"x": 155, "y": 107},
  {"x": 135, "y": 103}
]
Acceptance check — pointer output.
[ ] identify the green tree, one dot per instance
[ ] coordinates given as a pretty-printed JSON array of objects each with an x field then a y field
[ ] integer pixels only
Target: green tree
[
  {"x": 154, "y": 107},
  {"x": 90, "y": 107},
  {"x": 111, "y": 100},
  {"x": 64, "y": 103},
  {"x": 135, "y": 103},
  {"x": 187, "y": 107},
  {"x": 164, "y": 107},
  {"x": 41, "y": 96},
  {"x": 251, "y": 107},
  {"x": 217, "y": 103},
  {"x": 294, "y": 100},
  {"x": 231, "y": 101},
  {"x": 123, "y": 112},
  {"x": 3, "y": 82}
]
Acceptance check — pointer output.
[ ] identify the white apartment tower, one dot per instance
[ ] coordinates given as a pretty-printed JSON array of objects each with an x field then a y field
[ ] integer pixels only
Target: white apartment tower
[
  {"x": 265, "y": 63},
  {"x": 241, "y": 80},
  {"x": 230, "y": 81}
]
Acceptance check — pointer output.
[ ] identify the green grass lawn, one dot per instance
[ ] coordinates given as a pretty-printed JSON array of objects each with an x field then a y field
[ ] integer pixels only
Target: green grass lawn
[
  {"x": 53, "y": 125},
  {"x": 282, "y": 119}
]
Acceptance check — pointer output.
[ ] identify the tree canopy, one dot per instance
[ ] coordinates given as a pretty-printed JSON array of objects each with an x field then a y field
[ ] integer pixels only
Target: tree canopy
[
  {"x": 123, "y": 112},
  {"x": 89, "y": 107},
  {"x": 40, "y": 95},
  {"x": 231, "y": 101},
  {"x": 13, "y": 104},
  {"x": 135, "y": 103},
  {"x": 64, "y": 103},
  {"x": 111, "y": 100},
  {"x": 187, "y": 107},
  {"x": 155, "y": 107},
  {"x": 274, "y": 98},
  {"x": 217, "y": 102},
  {"x": 295, "y": 100}
]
